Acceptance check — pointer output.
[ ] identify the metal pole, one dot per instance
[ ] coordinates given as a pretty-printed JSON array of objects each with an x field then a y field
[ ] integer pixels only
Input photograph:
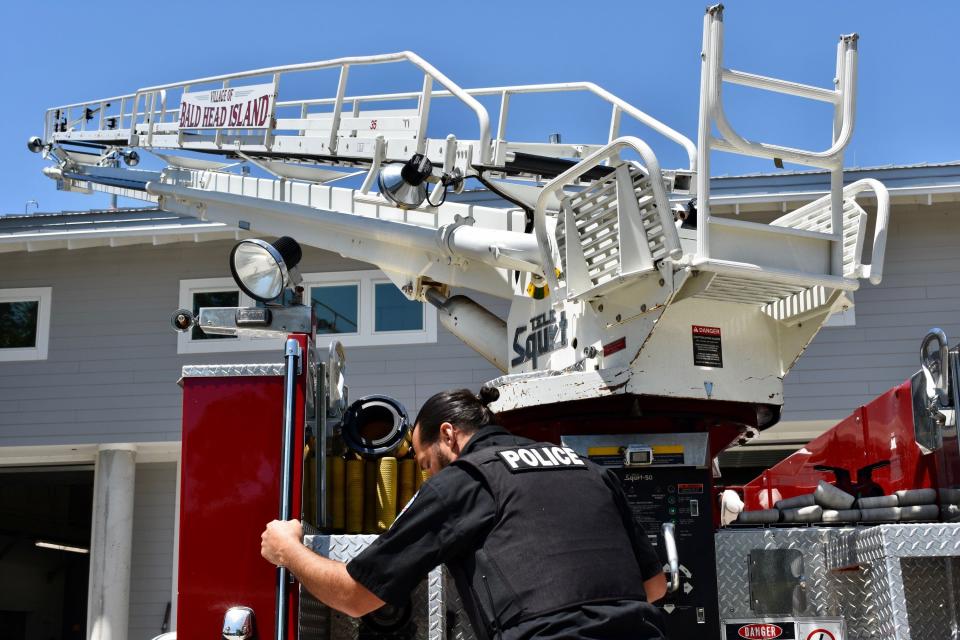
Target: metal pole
[
  {"x": 322, "y": 373},
  {"x": 704, "y": 134},
  {"x": 292, "y": 355},
  {"x": 836, "y": 220}
]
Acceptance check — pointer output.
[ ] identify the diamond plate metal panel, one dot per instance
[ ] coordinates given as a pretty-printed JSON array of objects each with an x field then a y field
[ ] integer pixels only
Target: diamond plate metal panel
[
  {"x": 733, "y": 583},
  {"x": 230, "y": 370},
  {"x": 908, "y": 578},
  {"x": 854, "y": 602},
  {"x": 429, "y": 601},
  {"x": 458, "y": 624},
  {"x": 314, "y": 617},
  {"x": 437, "y": 613},
  {"x": 921, "y": 540},
  {"x": 931, "y": 602}
]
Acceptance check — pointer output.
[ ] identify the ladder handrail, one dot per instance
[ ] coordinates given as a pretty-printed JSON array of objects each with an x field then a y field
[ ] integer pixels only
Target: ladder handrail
[
  {"x": 483, "y": 118},
  {"x": 612, "y": 150},
  {"x": 874, "y": 270},
  {"x": 558, "y": 87},
  {"x": 845, "y": 96},
  {"x": 618, "y": 104},
  {"x": 712, "y": 77}
]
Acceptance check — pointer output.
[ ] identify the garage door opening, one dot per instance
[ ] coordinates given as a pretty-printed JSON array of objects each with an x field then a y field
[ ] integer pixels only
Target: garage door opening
[{"x": 45, "y": 517}]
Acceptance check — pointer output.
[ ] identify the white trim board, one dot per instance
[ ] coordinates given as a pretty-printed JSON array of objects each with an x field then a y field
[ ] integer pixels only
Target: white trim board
[{"x": 84, "y": 453}]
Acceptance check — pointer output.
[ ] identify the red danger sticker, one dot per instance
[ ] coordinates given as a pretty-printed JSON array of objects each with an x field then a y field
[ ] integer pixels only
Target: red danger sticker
[
  {"x": 706, "y": 331},
  {"x": 760, "y": 631}
]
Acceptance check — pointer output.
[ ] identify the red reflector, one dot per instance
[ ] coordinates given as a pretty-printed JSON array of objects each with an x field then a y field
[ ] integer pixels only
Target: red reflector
[{"x": 616, "y": 345}]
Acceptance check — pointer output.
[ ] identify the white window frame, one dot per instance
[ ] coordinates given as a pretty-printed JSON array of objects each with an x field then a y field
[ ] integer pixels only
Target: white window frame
[
  {"x": 333, "y": 279},
  {"x": 43, "y": 296},
  {"x": 365, "y": 335}
]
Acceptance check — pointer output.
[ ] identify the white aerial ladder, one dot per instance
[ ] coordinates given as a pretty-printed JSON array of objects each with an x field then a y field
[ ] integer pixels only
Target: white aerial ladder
[{"x": 609, "y": 294}]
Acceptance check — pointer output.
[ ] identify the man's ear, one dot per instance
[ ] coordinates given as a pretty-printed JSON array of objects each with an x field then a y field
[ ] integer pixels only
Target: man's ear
[{"x": 447, "y": 435}]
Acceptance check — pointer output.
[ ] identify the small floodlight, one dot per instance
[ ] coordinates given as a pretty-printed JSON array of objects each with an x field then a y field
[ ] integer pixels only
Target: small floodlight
[
  {"x": 406, "y": 185},
  {"x": 262, "y": 270},
  {"x": 182, "y": 320},
  {"x": 131, "y": 158},
  {"x": 35, "y": 144}
]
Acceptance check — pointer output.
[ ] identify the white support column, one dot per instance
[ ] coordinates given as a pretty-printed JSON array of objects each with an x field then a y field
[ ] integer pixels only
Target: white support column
[{"x": 108, "y": 608}]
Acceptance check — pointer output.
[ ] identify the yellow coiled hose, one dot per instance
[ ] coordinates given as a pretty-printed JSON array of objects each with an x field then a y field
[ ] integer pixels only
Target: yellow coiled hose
[
  {"x": 407, "y": 483},
  {"x": 337, "y": 492},
  {"x": 386, "y": 492},
  {"x": 354, "y": 506},
  {"x": 370, "y": 496}
]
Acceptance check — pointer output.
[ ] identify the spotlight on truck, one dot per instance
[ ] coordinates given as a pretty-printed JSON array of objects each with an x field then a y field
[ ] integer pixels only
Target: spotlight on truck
[
  {"x": 263, "y": 270},
  {"x": 183, "y": 320},
  {"x": 35, "y": 144},
  {"x": 130, "y": 158},
  {"x": 406, "y": 184}
]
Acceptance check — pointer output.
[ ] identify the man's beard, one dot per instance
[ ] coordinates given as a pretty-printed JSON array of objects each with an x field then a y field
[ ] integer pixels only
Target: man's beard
[{"x": 443, "y": 459}]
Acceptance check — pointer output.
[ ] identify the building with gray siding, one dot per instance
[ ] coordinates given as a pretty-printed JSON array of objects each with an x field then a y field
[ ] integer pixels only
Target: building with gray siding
[{"x": 98, "y": 380}]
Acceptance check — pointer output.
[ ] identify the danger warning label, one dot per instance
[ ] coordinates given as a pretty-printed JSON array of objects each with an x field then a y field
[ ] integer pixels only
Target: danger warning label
[
  {"x": 707, "y": 351},
  {"x": 784, "y": 629}
]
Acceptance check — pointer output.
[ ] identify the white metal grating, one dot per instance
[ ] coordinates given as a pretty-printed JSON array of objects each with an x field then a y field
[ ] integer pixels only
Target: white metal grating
[
  {"x": 596, "y": 214},
  {"x": 779, "y": 300},
  {"x": 748, "y": 290},
  {"x": 799, "y": 303}
]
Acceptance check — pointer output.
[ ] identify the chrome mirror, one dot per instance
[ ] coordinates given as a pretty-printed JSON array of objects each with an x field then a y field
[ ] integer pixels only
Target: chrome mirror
[{"x": 934, "y": 354}]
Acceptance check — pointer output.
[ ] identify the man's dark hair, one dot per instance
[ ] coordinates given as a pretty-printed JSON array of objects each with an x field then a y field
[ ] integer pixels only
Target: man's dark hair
[{"x": 460, "y": 407}]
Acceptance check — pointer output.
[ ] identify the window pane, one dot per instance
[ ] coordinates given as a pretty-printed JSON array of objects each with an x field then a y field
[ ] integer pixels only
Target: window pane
[
  {"x": 394, "y": 312},
  {"x": 336, "y": 308},
  {"x": 18, "y": 324},
  {"x": 213, "y": 299}
]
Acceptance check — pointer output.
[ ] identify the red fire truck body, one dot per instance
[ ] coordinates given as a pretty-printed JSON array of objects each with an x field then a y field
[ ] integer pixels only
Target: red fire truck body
[
  {"x": 230, "y": 486},
  {"x": 875, "y": 445}
]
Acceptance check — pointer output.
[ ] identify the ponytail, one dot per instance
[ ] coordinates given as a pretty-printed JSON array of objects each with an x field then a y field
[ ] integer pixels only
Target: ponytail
[{"x": 460, "y": 407}]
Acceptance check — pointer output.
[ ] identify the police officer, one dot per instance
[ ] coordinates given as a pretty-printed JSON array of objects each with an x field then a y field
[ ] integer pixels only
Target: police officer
[{"x": 540, "y": 542}]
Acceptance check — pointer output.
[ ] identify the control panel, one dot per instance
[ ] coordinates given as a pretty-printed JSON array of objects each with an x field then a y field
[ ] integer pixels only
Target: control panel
[{"x": 668, "y": 478}]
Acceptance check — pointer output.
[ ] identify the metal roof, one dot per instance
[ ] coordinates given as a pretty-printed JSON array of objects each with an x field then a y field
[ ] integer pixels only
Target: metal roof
[
  {"x": 911, "y": 179},
  {"x": 105, "y": 227}
]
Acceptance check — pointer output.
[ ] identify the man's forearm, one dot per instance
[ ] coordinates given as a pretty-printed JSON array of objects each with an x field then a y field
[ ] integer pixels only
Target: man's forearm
[{"x": 330, "y": 583}]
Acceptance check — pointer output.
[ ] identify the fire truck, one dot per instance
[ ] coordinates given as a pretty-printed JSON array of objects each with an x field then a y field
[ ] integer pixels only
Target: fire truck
[{"x": 643, "y": 332}]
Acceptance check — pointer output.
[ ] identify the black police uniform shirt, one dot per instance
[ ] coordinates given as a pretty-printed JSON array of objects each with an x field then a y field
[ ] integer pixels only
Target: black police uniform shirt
[{"x": 450, "y": 517}]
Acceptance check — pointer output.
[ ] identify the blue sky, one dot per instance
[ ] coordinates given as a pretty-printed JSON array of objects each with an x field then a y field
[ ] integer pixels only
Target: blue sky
[{"x": 648, "y": 53}]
